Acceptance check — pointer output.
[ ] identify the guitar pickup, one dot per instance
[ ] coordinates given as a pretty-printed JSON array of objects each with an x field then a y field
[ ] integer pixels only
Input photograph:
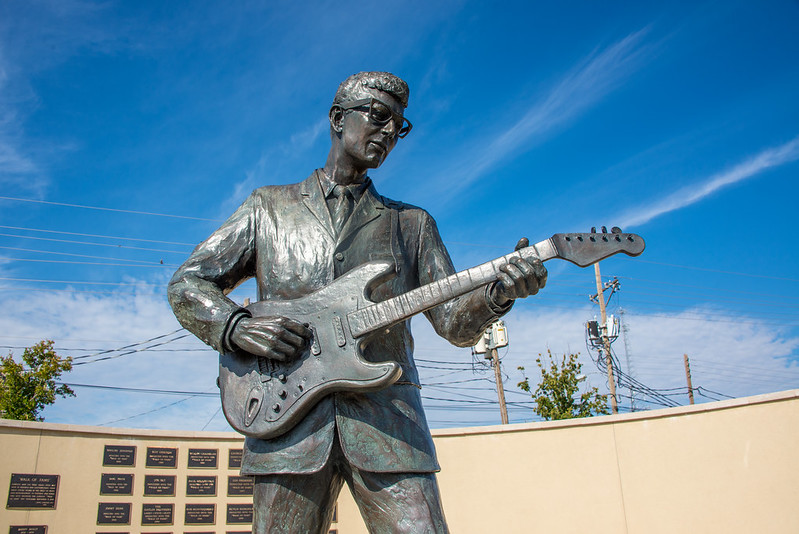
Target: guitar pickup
[
  {"x": 316, "y": 349},
  {"x": 341, "y": 339}
]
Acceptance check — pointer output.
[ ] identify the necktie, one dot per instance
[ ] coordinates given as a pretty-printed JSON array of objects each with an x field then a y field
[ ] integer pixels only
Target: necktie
[{"x": 342, "y": 207}]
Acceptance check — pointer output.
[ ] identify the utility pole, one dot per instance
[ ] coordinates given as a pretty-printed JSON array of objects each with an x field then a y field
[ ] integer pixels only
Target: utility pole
[
  {"x": 688, "y": 377},
  {"x": 606, "y": 340},
  {"x": 503, "y": 408},
  {"x": 494, "y": 337}
]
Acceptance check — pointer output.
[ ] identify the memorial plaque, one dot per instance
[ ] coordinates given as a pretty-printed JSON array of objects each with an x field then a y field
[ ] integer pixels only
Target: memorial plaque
[
  {"x": 119, "y": 455},
  {"x": 28, "y": 529},
  {"x": 157, "y": 514},
  {"x": 32, "y": 491},
  {"x": 239, "y": 513},
  {"x": 234, "y": 458},
  {"x": 159, "y": 485},
  {"x": 200, "y": 514},
  {"x": 201, "y": 485},
  {"x": 113, "y": 513},
  {"x": 239, "y": 486},
  {"x": 162, "y": 457},
  {"x": 116, "y": 484},
  {"x": 199, "y": 458}
]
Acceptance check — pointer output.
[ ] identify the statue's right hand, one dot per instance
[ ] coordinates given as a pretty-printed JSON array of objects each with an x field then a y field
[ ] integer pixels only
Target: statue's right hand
[{"x": 277, "y": 338}]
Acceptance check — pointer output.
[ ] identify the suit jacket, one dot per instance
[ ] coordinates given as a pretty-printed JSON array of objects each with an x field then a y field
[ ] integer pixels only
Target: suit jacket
[{"x": 283, "y": 236}]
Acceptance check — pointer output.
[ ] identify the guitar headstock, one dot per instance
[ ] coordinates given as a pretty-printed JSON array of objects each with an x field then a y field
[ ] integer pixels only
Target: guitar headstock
[{"x": 584, "y": 249}]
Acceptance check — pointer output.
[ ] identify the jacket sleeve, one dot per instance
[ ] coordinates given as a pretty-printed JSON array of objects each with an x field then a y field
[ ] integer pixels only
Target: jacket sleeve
[
  {"x": 462, "y": 320},
  {"x": 197, "y": 291}
]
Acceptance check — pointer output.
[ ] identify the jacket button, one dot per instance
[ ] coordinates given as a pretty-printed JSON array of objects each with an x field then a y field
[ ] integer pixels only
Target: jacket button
[{"x": 339, "y": 256}]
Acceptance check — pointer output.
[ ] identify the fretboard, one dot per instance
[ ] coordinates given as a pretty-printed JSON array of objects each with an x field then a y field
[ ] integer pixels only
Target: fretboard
[{"x": 401, "y": 307}]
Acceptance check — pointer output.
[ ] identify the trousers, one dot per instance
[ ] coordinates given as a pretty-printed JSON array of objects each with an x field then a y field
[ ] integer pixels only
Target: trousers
[{"x": 389, "y": 502}]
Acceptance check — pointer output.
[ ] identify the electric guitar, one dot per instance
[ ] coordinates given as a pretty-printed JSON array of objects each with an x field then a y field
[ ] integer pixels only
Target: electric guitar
[{"x": 264, "y": 398}]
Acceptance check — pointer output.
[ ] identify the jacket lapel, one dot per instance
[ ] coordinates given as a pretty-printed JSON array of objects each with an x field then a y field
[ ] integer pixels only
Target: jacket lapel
[
  {"x": 369, "y": 208},
  {"x": 314, "y": 200}
]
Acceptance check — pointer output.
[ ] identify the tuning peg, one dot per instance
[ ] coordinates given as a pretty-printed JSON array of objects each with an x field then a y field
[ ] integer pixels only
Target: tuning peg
[
  {"x": 615, "y": 230},
  {"x": 604, "y": 230},
  {"x": 593, "y": 229}
]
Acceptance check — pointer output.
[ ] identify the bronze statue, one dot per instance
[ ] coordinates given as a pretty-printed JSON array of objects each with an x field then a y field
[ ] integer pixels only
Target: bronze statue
[{"x": 296, "y": 240}]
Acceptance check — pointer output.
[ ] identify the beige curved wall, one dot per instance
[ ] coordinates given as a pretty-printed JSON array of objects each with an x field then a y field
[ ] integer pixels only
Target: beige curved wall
[{"x": 720, "y": 467}]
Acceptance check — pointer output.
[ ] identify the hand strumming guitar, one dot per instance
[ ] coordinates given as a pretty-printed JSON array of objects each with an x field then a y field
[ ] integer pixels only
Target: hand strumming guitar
[{"x": 276, "y": 338}]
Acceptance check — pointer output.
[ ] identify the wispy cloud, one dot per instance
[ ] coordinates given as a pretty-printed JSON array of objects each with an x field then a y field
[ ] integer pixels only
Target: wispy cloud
[
  {"x": 272, "y": 165},
  {"x": 583, "y": 86},
  {"x": 772, "y": 157}
]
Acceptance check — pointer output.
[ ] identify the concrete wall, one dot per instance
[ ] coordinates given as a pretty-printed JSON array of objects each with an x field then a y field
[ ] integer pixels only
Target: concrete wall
[{"x": 723, "y": 467}]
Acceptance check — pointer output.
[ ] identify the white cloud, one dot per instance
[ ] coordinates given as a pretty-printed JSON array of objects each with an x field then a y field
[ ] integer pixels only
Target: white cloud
[
  {"x": 767, "y": 159},
  {"x": 583, "y": 86}
]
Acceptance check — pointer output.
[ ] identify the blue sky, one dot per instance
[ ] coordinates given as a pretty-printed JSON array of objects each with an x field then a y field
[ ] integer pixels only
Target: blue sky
[{"x": 679, "y": 122}]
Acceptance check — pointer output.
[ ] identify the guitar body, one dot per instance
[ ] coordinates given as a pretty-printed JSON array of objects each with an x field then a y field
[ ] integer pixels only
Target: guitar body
[{"x": 264, "y": 398}]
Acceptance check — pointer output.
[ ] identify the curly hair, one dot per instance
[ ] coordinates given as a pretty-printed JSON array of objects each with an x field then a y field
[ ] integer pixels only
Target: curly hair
[{"x": 382, "y": 81}]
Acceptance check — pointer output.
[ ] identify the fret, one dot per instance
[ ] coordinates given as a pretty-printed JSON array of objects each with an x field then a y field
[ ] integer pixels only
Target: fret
[
  {"x": 392, "y": 309},
  {"x": 435, "y": 293},
  {"x": 415, "y": 297},
  {"x": 374, "y": 319},
  {"x": 403, "y": 312},
  {"x": 450, "y": 294},
  {"x": 358, "y": 321},
  {"x": 412, "y": 309}
]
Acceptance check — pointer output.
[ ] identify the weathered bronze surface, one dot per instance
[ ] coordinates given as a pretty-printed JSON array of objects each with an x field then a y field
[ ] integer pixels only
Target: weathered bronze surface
[{"x": 297, "y": 239}]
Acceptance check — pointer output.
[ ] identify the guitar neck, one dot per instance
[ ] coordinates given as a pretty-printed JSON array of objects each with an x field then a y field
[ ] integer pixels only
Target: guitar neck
[{"x": 401, "y": 307}]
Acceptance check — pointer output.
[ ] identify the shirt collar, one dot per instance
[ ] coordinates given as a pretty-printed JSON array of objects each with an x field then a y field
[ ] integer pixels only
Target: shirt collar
[{"x": 328, "y": 184}]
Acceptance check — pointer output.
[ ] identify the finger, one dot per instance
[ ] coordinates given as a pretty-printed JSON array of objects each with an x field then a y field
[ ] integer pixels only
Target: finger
[
  {"x": 529, "y": 276},
  {"x": 281, "y": 347},
  {"x": 293, "y": 339},
  {"x": 504, "y": 282},
  {"x": 523, "y": 243},
  {"x": 275, "y": 355},
  {"x": 296, "y": 327},
  {"x": 520, "y": 288},
  {"x": 541, "y": 272}
]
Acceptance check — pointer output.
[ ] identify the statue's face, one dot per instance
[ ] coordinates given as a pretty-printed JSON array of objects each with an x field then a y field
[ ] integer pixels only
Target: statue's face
[{"x": 363, "y": 140}]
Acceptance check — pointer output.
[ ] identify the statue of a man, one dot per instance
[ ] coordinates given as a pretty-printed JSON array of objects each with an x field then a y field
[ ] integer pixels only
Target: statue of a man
[{"x": 298, "y": 238}]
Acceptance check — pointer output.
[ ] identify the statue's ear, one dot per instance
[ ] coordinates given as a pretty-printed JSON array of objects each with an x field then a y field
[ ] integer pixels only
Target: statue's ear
[{"x": 336, "y": 119}]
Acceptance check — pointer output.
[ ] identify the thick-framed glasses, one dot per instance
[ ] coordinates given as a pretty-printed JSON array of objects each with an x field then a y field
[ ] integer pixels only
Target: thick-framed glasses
[{"x": 380, "y": 113}]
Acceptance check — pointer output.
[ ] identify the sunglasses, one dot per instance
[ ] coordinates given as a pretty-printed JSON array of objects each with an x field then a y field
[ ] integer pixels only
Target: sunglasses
[{"x": 379, "y": 113}]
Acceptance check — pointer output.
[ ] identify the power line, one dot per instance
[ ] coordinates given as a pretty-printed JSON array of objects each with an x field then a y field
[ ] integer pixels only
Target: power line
[
  {"x": 89, "y": 262},
  {"x": 718, "y": 271},
  {"x": 82, "y": 282},
  {"x": 143, "y": 390},
  {"x": 73, "y": 242},
  {"x": 116, "y": 210},
  {"x": 52, "y": 289},
  {"x": 97, "y": 235},
  {"x": 149, "y": 262}
]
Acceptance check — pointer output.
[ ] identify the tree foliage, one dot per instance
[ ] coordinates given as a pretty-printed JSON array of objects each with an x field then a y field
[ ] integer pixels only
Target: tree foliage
[
  {"x": 27, "y": 387},
  {"x": 557, "y": 395}
]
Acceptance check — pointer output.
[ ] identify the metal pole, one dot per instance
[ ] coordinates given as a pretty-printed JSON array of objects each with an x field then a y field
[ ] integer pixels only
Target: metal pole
[
  {"x": 503, "y": 408},
  {"x": 688, "y": 377},
  {"x": 606, "y": 340}
]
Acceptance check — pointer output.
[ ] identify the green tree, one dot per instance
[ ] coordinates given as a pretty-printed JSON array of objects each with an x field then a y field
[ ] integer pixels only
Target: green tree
[
  {"x": 557, "y": 395},
  {"x": 27, "y": 387}
]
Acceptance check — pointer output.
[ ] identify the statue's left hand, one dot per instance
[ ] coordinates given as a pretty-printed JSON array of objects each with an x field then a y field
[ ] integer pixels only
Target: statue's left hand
[{"x": 519, "y": 279}]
